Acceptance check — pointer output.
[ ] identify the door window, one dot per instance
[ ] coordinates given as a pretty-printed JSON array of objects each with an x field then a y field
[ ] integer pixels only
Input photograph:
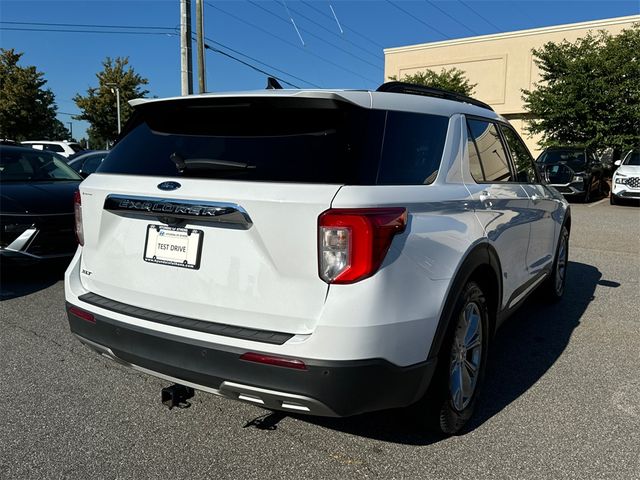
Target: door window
[
  {"x": 525, "y": 166},
  {"x": 494, "y": 163},
  {"x": 92, "y": 163}
]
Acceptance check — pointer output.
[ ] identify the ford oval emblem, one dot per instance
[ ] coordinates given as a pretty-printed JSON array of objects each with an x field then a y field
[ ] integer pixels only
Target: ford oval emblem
[{"x": 169, "y": 186}]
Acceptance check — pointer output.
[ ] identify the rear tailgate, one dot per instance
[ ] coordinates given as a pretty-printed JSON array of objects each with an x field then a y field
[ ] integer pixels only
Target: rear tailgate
[
  {"x": 264, "y": 276},
  {"x": 279, "y": 159}
]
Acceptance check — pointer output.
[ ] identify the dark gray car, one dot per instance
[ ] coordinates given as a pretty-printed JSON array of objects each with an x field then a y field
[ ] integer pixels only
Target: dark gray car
[
  {"x": 87, "y": 163},
  {"x": 574, "y": 171}
]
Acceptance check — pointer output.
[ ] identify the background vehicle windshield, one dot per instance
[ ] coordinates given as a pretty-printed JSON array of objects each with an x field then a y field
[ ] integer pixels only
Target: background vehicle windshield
[
  {"x": 632, "y": 158},
  {"x": 573, "y": 158},
  {"x": 26, "y": 165}
]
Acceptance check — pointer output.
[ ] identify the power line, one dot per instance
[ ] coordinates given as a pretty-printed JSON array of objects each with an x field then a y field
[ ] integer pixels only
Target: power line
[
  {"x": 444, "y": 12},
  {"x": 137, "y": 27},
  {"x": 85, "y": 31},
  {"x": 498, "y": 29},
  {"x": 72, "y": 30},
  {"x": 338, "y": 47},
  {"x": 341, "y": 37},
  {"x": 261, "y": 62},
  {"x": 406, "y": 12},
  {"x": 313, "y": 7},
  {"x": 253, "y": 67},
  {"x": 267, "y": 32}
]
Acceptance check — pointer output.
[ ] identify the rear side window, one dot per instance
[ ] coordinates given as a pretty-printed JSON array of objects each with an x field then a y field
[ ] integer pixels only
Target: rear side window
[
  {"x": 494, "y": 163},
  {"x": 412, "y": 150},
  {"x": 52, "y": 147},
  {"x": 257, "y": 139},
  {"x": 525, "y": 166}
]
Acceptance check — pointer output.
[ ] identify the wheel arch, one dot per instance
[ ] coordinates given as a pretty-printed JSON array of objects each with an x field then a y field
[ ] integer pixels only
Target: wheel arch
[{"x": 482, "y": 265}]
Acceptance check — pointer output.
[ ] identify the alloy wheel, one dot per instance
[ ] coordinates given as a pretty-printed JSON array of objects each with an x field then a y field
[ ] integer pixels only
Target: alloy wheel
[
  {"x": 561, "y": 266},
  {"x": 466, "y": 356}
]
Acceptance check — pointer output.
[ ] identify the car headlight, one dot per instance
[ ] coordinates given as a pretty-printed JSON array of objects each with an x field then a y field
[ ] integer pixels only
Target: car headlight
[
  {"x": 620, "y": 180},
  {"x": 577, "y": 179}
]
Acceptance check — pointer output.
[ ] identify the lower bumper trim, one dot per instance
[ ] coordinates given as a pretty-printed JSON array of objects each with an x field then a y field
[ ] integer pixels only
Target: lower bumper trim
[{"x": 326, "y": 388}]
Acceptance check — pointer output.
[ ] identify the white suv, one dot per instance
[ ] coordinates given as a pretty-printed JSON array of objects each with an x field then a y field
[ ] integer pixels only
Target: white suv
[
  {"x": 64, "y": 148},
  {"x": 319, "y": 252}
]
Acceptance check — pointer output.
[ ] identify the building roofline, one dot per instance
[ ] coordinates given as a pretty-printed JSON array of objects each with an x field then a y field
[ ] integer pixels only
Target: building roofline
[{"x": 593, "y": 24}]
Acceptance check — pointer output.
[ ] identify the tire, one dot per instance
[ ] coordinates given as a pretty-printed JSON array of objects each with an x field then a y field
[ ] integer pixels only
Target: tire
[
  {"x": 555, "y": 283},
  {"x": 448, "y": 403}
]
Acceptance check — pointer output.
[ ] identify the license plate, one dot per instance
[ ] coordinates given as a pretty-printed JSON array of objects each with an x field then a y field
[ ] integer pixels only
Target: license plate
[{"x": 178, "y": 247}]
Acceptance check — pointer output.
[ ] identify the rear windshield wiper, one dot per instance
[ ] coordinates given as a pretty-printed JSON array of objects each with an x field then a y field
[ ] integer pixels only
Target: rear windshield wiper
[{"x": 204, "y": 163}]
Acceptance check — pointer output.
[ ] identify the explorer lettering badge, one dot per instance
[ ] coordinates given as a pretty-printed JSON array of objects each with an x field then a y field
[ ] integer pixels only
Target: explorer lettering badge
[{"x": 219, "y": 212}]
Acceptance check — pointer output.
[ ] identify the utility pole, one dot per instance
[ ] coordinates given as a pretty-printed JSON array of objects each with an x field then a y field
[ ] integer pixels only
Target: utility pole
[
  {"x": 186, "y": 59},
  {"x": 70, "y": 130},
  {"x": 202, "y": 74}
]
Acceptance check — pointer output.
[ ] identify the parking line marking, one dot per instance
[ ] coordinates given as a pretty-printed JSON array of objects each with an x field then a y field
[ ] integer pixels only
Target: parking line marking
[{"x": 598, "y": 202}]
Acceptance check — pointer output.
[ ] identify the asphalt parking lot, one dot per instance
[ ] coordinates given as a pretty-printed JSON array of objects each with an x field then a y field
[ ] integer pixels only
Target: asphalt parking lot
[{"x": 561, "y": 400}]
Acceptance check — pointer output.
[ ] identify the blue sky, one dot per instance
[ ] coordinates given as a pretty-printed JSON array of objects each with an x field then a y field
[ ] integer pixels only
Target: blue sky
[{"x": 262, "y": 29}]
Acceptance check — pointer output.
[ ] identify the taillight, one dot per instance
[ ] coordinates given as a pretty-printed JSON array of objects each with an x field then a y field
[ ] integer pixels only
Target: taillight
[
  {"x": 353, "y": 242},
  {"x": 77, "y": 210}
]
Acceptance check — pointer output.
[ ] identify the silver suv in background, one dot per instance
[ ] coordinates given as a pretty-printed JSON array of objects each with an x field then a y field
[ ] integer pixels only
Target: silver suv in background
[{"x": 326, "y": 252}]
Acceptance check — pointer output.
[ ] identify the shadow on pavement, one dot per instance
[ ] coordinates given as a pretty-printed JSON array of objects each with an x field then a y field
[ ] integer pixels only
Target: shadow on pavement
[
  {"x": 20, "y": 280},
  {"x": 526, "y": 346}
]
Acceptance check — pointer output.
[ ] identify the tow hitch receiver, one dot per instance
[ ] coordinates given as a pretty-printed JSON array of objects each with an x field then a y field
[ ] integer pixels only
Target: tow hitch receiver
[{"x": 177, "y": 396}]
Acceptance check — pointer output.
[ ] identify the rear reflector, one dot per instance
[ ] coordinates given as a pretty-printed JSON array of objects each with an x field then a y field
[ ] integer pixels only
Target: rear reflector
[
  {"x": 276, "y": 361},
  {"x": 82, "y": 314}
]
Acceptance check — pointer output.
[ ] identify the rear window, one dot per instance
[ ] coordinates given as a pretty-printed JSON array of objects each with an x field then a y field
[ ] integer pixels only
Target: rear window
[{"x": 280, "y": 140}]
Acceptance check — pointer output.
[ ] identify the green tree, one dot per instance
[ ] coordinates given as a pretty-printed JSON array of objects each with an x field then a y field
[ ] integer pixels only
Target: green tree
[
  {"x": 99, "y": 106},
  {"x": 27, "y": 108},
  {"x": 453, "y": 80},
  {"x": 589, "y": 92}
]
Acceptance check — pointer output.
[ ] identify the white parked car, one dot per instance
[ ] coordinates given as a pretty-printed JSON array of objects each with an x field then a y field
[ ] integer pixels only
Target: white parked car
[
  {"x": 625, "y": 183},
  {"x": 319, "y": 252},
  {"x": 63, "y": 148}
]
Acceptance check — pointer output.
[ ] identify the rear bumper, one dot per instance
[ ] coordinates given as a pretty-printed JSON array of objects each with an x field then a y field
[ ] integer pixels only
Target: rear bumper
[{"x": 326, "y": 388}]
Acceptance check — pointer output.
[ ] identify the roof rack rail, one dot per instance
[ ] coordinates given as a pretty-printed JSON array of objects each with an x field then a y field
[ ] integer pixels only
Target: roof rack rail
[{"x": 412, "y": 89}]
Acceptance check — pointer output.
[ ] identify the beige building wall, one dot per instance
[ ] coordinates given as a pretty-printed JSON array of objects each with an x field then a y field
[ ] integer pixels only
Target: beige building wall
[{"x": 501, "y": 65}]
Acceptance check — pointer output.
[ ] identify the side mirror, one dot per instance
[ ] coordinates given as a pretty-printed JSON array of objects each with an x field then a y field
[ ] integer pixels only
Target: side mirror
[{"x": 617, "y": 163}]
